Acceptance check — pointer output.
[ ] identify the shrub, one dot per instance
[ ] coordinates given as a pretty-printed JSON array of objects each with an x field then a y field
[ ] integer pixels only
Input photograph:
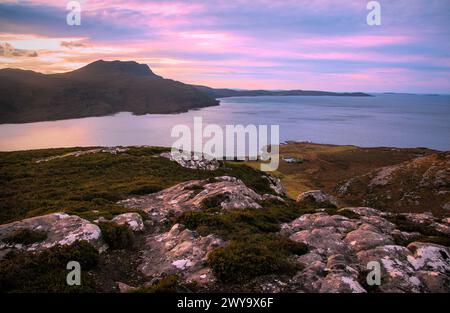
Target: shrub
[
  {"x": 254, "y": 256},
  {"x": 168, "y": 284},
  {"x": 348, "y": 214},
  {"x": 46, "y": 271},
  {"x": 117, "y": 236},
  {"x": 145, "y": 190},
  {"x": 26, "y": 236},
  {"x": 404, "y": 224},
  {"x": 215, "y": 201}
]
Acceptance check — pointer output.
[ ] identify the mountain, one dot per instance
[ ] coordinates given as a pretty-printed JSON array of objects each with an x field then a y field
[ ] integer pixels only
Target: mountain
[
  {"x": 106, "y": 87},
  {"x": 225, "y": 93},
  {"x": 97, "y": 89}
]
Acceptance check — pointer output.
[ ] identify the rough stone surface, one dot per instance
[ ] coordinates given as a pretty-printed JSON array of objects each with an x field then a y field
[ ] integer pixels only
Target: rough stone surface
[
  {"x": 417, "y": 185},
  {"x": 133, "y": 220},
  {"x": 61, "y": 229},
  {"x": 124, "y": 288},
  {"x": 229, "y": 192},
  {"x": 341, "y": 248},
  {"x": 193, "y": 161},
  {"x": 179, "y": 251},
  {"x": 276, "y": 185},
  {"x": 111, "y": 150},
  {"x": 317, "y": 196}
]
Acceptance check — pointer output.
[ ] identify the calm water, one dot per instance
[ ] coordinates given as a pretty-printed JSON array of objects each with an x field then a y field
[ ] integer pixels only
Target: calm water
[{"x": 384, "y": 120}]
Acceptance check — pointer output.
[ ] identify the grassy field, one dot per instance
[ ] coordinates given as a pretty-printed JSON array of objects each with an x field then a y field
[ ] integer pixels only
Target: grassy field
[
  {"x": 91, "y": 184},
  {"x": 320, "y": 166}
]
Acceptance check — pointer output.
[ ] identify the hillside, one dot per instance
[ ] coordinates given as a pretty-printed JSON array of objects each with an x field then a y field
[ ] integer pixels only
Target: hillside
[
  {"x": 106, "y": 87},
  {"x": 138, "y": 221},
  {"x": 418, "y": 185},
  {"x": 391, "y": 179},
  {"x": 225, "y": 93},
  {"x": 100, "y": 88}
]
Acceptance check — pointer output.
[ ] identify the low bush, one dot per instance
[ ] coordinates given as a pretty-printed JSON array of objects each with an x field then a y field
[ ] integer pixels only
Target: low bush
[
  {"x": 46, "y": 271},
  {"x": 404, "y": 224},
  {"x": 168, "y": 284},
  {"x": 117, "y": 236},
  {"x": 256, "y": 255},
  {"x": 26, "y": 236},
  {"x": 236, "y": 223}
]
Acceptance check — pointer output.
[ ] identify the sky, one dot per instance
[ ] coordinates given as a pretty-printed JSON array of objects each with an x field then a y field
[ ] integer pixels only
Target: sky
[{"x": 248, "y": 44}]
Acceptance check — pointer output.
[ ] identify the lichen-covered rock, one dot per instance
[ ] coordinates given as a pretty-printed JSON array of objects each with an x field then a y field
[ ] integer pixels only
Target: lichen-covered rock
[
  {"x": 317, "y": 196},
  {"x": 340, "y": 250},
  {"x": 309, "y": 279},
  {"x": 111, "y": 150},
  {"x": 318, "y": 220},
  {"x": 124, "y": 288},
  {"x": 431, "y": 257},
  {"x": 427, "y": 220},
  {"x": 397, "y": 273},
  {"x": 193, "y": 161},
  {"x": 60, "y": 229},
  {"x": 364, "y": 239},
  {"x": 133, "y": 220},
  {"x": 179, "y": 251},
  {"x": 341, "y": 283},
  {"x": 326, "y": 239},
  {"x": 225, "y": 192},
  {"x": 276, "y": 185}
]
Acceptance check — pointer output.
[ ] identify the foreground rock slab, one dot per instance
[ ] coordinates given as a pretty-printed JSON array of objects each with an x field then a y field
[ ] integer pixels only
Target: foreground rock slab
[
  {"x": 193, "y": 161},
  {"x": 225, "y": 192},
  {"x": 317, "y": 196},
  {"x": 133, "y": 220},
  {"x": 179, "y": 251},
  {"x": 60, "y": 229},
  {"x": 341, "y": 248}
]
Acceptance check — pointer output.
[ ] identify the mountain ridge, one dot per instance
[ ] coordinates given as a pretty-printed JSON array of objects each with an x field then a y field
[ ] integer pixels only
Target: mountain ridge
[{"x": 106, "y": 87}]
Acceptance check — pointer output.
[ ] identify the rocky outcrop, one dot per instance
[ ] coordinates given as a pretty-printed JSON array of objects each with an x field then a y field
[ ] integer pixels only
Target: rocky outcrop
[
  {"x": 111, "y": 150},
  {"x": 317, "y": 196},
  {"x": 415, "y": 186},
  {"x": 225, "y": 192},
  {"x": 193, "y": 161},
  {"x": 179, "y": 251},
  {"x": 276, "y": 185},
  {"x": 427, "y": 222},
  {"x": 59, "y": 229},
  {"x": 341, "y": 248},
  {"x": 133, "y": 220}
]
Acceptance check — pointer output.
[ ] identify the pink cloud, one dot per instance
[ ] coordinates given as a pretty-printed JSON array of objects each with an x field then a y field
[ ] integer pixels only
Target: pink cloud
[{"x": 355, "y": 41}]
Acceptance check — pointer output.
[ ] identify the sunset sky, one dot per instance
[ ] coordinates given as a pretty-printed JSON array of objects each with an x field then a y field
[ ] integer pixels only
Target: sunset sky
[{"x": 270, "y": 44}]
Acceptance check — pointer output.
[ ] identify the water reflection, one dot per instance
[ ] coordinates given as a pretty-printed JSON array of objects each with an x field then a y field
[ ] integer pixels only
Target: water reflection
[{"x": 385, "y": 120}]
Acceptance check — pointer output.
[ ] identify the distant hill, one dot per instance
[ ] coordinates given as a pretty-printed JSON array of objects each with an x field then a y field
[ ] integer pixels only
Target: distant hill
[
  {"x": 224, "y": 93},
  {"x": 97, "y": 89},
  {"x": 106, "y": 87}
]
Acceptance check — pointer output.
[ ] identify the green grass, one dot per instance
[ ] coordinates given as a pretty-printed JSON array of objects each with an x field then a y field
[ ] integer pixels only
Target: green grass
[{"x": 90, "y": 185}]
